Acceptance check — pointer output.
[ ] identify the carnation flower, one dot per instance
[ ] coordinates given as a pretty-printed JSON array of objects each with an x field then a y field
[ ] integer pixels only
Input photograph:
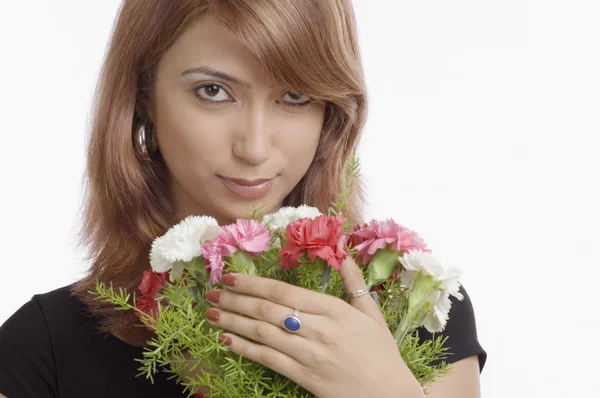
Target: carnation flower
[
  {"x": 320, "y": 237},
  {"x": 149, "y": 287},
  {"x": 437, "y": 316},
  {"x": 278, "y": 222},
  {"x": 429, "y": 281},
  {"x": 182, "y": 242},
  {"x": 247, "y": 235},
  {"x": 378, "y": 234},
  {"x": 354, "y": 240}
]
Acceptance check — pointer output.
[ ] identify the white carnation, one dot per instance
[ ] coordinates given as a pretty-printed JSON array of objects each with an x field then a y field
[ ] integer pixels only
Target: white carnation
[
  {"x": 278, "y": 222},
  {"x": 437, "y": 316},
  {"x": 182, "y": 242},
  {"x": 418, "y": 263}
]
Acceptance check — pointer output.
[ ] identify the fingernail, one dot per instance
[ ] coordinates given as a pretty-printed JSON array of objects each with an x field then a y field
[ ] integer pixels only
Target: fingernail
[
  {"x": 213, "y": 296},
  {"x": 228, "y": 280},
  {"x": 225, "y": 340},
  {"x": 212, "y": 315}
]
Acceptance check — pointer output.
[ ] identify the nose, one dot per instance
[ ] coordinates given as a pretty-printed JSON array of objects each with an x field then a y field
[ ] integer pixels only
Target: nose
[{"x": 253, "y": 143}]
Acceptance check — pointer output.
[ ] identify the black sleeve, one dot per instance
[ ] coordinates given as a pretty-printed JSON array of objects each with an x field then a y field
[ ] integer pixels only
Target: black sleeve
[
  {"x": 461, "y": 330},
  {"x": 27, "y": 367}
]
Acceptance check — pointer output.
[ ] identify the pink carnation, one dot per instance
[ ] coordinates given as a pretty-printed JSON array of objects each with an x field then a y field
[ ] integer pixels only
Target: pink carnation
[
  {"x": 378, "y": 234},
  {"x": 248, "y": 235}
]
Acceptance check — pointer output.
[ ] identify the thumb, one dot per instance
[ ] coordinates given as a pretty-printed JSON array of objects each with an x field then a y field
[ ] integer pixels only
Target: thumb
[{"x": 353, "y": 280}]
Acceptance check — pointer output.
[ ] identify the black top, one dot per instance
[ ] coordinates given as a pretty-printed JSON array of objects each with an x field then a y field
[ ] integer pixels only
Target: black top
[{"x": 50, "y": 348}]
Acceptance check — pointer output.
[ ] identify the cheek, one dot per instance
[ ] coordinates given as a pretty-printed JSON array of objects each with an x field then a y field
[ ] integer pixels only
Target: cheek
[
  {"x": 189, "y": 138},
  {"x": 299, "y": 140},
  {"x": 297, "y": 146},
  {"x": 300, "y": 147}
]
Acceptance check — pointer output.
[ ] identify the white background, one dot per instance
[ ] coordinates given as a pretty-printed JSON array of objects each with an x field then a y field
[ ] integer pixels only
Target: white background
[{"x": 482, "y": 136}]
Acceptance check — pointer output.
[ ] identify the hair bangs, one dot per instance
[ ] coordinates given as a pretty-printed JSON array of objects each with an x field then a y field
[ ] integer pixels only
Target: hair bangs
[{"x": 301, "y": 43}]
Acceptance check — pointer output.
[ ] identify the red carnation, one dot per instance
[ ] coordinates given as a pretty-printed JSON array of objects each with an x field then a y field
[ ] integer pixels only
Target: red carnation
[
  {"x": 151, "y": 284},
  {"x": 354, "y": 240},
  {"x": 319, "y": 237}
]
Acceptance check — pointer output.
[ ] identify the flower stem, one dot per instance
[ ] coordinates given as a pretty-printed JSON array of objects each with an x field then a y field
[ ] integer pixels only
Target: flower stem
[
  {"x": 403, "y": 328},
  {"x": 325, "y": 278},
  {"x": 422, "y": 288}
]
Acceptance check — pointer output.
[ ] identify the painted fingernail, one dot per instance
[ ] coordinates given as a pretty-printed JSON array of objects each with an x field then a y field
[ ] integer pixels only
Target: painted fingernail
[
  {"x": 225, "y": 340},
  {"x": 212, "y": 315},
  {"x": 228, "y": 280},
  {"x": 213, "y": 296}
]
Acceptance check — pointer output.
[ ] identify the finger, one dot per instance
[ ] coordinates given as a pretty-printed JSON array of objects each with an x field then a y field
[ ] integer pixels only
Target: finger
[
  {"x": 282, "y": 293},
  {"x": 267, "y": 356},
  {"x": 261, "y": 332},
  {"x": 261, "y": 309},
  {"x": 353, "y": 280}
]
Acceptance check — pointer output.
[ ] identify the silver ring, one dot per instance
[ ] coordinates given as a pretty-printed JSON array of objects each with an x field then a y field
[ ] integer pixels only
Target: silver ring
[
  {"x": 292, "y": 323},
  {"x": 357, "y": 293}
]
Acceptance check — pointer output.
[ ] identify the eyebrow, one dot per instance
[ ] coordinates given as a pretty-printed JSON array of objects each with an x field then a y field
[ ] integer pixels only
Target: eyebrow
[{"x": 206, "y": 70}]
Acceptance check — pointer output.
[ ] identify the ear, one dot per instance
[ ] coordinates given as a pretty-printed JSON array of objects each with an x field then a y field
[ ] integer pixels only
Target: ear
[{"x": 144, "y": 109}]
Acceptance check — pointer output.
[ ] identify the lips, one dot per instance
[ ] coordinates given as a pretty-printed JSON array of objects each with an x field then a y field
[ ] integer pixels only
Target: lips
[
  {"x": 248, "y": 188},
  {"x": 248, "y": 183}
]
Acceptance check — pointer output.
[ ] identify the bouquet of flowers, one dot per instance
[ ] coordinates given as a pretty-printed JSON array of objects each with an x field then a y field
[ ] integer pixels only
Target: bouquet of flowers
[{"x": 299, "y": 246}]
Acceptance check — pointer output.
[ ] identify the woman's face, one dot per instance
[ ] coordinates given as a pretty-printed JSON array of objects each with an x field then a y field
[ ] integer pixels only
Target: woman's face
[{"x": 231, "y": 136}]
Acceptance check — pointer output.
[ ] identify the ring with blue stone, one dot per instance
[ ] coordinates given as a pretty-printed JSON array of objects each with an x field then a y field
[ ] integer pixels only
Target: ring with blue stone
[{"x": 292, "y": 323}]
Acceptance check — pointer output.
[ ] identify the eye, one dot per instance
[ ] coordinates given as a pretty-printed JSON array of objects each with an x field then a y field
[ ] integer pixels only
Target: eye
[
  {"x": 212, "y": 93},
  {"x": 295, "y": 99}
]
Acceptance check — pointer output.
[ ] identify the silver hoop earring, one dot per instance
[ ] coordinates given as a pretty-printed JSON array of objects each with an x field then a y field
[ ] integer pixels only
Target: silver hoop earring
[{"x": 143, "y": 140}]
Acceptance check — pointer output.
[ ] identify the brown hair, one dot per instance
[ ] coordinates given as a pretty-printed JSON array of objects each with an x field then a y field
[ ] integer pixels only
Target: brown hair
[{"x": 311, "y": 45}]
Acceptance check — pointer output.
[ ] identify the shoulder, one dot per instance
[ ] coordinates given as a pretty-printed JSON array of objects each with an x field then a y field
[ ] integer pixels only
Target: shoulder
[
  {"x": 461, "y": 331},
  {"x": 57, "y": 311},
  {"x": 62, "y": 309},
  {"x": 27, "y": 364},
  {"x": 56, "y": 297},
  {"x": 31, "y": 321},
  {"x": 52, "y": 346}
]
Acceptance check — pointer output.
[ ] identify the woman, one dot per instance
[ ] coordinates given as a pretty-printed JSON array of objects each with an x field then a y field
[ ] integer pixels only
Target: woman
[{"x": 207, "y": 107}]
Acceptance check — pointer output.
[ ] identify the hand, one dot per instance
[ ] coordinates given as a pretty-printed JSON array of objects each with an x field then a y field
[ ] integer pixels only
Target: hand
[{"x": 341, "y": 350}]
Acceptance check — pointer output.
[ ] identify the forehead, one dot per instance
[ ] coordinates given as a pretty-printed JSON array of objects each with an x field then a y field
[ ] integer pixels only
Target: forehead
[{"x": 206, "y": 42}]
